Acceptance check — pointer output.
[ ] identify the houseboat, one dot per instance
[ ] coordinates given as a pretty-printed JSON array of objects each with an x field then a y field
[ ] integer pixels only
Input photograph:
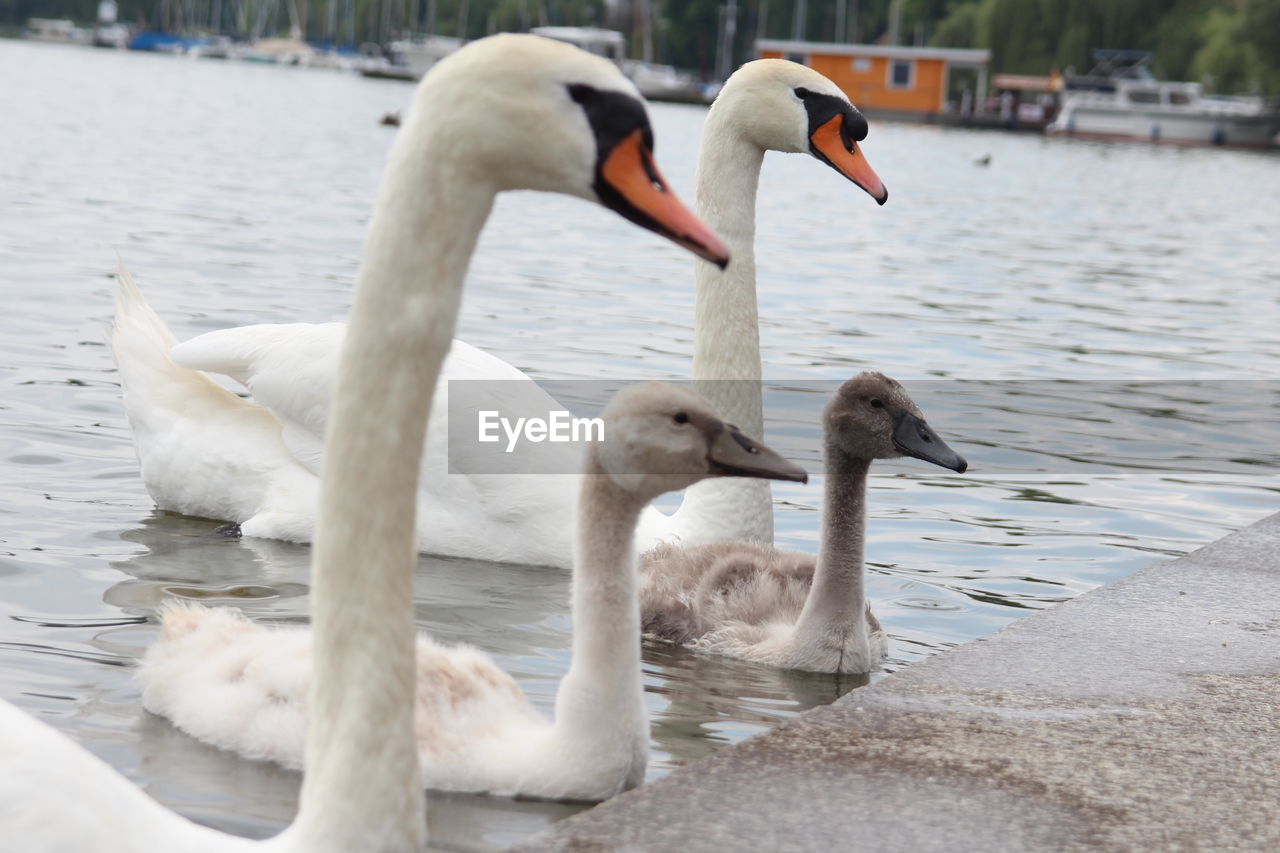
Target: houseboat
[{"x": 888, "y": 81}]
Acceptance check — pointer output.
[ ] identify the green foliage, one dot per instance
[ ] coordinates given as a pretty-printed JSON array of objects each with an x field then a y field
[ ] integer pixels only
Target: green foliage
[
  {"x": 687, "y": 30},
  {"x": 1231, "y": 45},
  {"x": 959, "y": 27},
  {"x": 1227, "y": 60}
]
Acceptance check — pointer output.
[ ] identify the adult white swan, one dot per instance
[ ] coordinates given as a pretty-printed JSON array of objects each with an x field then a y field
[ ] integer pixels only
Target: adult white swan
[
  {"x": 206, "y": 452},
  {"x": 243, "y": 687},
  {"x": 505, "y": 113},
  {"x": 784, "y": 608}
]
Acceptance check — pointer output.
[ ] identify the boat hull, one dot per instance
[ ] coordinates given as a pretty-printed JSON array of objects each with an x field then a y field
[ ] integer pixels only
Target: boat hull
[{"x": 1256, "y": 131}]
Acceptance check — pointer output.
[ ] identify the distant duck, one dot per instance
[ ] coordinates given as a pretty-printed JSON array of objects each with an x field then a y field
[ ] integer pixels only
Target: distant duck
[
  {"x": 257, "y": 463},
  {"x": 362, "y": 789},
  {"x": 984, "y": 160},
  {"x": 788, "y": 609},
  {"x": 243, "y": 687},
  {"x": 392, "y": 119}
]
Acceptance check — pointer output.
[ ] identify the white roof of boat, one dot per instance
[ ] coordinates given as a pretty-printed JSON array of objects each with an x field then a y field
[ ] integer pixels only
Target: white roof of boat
[{"x": 580, "y": 35}]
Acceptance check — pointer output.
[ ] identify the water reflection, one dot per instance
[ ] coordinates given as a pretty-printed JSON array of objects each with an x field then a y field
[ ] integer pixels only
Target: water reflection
[
  {"x": 713, "y": 701},
  {"x": 195, "y": 778},
  {"x": 190, "y": 558}
]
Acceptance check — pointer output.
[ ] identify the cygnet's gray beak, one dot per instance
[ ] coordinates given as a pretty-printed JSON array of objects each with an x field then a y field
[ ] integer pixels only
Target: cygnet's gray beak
[
  {"x": 913, "y": 437},
  {"x": 733, "y": 454}
]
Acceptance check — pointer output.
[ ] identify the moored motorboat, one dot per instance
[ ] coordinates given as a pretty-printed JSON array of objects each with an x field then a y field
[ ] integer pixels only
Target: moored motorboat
[{"x": 1121, "y": 99}]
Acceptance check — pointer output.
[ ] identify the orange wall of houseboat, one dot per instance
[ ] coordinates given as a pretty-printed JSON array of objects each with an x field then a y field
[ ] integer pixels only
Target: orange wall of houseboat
[{"x": 870, "y": 89}]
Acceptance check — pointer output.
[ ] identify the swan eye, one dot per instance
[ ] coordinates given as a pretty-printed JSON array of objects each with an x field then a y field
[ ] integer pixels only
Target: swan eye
[
  {"x": 801, "y": 92},
  {"x": 680, "y": 418},
  {"x": 876, "y": 403}
]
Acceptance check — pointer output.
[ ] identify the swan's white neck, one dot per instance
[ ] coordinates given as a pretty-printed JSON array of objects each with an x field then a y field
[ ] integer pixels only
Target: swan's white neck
[
  {"x": 726, "y": 334},
  {"x": 600, "y": 703},
  {"x": 836, "y": 601},
  {"x": 362, "y": 789},
  {"x": 726, "y": 324}
]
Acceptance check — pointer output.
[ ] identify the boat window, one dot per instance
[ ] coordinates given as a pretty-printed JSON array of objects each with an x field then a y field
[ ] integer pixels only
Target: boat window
[
  {"x": 900, "y": 73},
  {"x": 1144, "y": 96},
  {"x": 1179, "y": 98}
]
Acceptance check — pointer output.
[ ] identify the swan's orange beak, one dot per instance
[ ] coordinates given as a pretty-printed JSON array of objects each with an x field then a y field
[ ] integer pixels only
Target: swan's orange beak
[
  {"x": 841, "y": 153},
  {"x": 631, "y": 184}
]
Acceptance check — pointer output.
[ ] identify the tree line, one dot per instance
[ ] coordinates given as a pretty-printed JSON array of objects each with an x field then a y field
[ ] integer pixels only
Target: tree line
[{"x": 1230, "y": 45}]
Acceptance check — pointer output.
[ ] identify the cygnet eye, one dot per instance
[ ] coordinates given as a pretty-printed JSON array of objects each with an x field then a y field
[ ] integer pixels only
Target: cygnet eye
[
  {"x": 876, "y": 403},
  {"x": 680, "y": 418}
]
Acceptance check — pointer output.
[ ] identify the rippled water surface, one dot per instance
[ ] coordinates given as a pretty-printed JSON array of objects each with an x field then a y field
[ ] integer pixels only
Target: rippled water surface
[{"x": 239, "y": 194}]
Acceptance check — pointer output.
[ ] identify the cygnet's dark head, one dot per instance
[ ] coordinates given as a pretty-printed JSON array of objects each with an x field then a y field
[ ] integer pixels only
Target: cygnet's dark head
[{"x": 871, "y": 417}]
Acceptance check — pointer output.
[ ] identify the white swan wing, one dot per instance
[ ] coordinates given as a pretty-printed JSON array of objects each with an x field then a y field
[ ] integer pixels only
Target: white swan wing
[
  {"x": 515, "y": 512},
  {"x": 289, "y": 369},
  {"x": 524, "y": 511},
  {"x": 479, "y": 500},
  {"x": 474, "y": 381}
]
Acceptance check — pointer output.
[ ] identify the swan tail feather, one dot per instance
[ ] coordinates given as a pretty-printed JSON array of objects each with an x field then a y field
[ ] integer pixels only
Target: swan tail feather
[
  {"x": 133, "y": 309},
  {"x": 141, "y": 342},
  {"x": 199, "y": 446}
]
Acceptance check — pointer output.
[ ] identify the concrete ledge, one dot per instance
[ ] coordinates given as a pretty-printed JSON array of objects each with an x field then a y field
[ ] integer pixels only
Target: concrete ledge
[{"x": 1144, "y": 715}]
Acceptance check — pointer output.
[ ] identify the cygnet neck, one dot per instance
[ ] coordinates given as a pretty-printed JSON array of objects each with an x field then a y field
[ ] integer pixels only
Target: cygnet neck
[
  {"x": 837, "y": 598},
  {"x": 603, "y": 684}
]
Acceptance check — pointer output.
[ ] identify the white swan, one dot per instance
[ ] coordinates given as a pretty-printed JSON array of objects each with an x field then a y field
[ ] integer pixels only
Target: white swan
[
  {"x": 257, "y": 465},
  {"x": 504, "y": 113},
  {"x": 243, "y": 687},
  {"x": 784, "y": 608},
  {"x": 767, "y": 105}
]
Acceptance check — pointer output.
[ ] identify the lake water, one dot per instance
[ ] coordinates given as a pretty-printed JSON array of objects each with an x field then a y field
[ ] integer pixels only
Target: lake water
[{"x": 239, "y": 193}]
